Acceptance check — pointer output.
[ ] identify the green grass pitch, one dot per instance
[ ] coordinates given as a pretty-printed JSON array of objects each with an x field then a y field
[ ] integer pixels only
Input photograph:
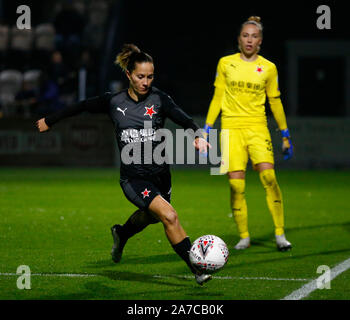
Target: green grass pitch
[{"x": 57, "y": 221}]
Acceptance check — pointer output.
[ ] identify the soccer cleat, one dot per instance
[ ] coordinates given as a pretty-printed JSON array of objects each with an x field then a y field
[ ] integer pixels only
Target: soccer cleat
[
  {"x": 282, "y": 243},
  {"x": 117, "y": 249},
  {"x": 243, "y": 244},
  {"x": 202, "y": 278}
]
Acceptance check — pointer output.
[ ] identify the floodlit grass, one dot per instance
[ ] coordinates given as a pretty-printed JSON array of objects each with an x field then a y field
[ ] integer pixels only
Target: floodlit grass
[{"x": 57, "y": 221}]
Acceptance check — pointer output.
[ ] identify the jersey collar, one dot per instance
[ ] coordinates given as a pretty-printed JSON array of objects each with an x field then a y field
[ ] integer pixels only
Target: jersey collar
[{"x": 144, "y": 97}]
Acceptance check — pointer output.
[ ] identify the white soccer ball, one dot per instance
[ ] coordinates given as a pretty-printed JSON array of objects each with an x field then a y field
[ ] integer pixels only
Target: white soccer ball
[{"x": 209, "y": 253}]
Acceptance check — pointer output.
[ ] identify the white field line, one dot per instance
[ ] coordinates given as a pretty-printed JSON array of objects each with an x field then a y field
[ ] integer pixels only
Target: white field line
[
  {"x": 306, "y": 289},
  {"x": 77, "y": 275},
  {"x": 70, "y": 275},
  {"x": 236, "y": 278}
]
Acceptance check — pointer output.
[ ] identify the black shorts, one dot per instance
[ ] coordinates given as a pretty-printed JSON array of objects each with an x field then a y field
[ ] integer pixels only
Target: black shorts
[{"x": 141, "y": 191}]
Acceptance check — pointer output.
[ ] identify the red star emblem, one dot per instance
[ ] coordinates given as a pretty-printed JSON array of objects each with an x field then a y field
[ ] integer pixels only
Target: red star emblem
[
  {"x": 149, "y": 111},
  {"x": 259, "y": 69},
  {"x": 146, "y": 193}
]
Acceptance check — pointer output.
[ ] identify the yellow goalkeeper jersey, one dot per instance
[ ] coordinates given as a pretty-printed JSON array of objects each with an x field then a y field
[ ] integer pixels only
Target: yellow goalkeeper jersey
[{"x": 246, "y": 85}]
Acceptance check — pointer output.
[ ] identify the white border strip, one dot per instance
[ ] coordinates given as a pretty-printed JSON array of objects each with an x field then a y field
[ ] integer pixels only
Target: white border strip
[
  {"x": 306, "y": 289},
  {"x": 77, "y": 275}
]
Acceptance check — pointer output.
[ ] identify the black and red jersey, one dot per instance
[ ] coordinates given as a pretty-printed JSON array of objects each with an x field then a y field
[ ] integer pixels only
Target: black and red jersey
[{"x": 135, "y": 122}]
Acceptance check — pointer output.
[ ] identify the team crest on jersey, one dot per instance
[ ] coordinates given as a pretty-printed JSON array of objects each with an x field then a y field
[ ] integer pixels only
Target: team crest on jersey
[
  {"x": 259, "y": 69},
  {"x": 204, "y": 245},
  {"x": 146, "y": 193},
  {"x": 150, "y": 111}
]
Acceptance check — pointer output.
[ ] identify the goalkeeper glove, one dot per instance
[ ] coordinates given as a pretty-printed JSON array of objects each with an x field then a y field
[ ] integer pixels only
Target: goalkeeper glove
[
  {"x": 287, "y": 147},
  {"x": 206, "y": 129}
]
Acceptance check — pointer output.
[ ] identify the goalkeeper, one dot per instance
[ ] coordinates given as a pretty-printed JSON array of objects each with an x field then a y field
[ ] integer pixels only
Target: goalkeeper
[{"x": 243, "y": 81}]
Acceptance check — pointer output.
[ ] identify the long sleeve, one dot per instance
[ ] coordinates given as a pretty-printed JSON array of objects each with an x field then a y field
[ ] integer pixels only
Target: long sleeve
[
  {"x": 278, "y": 112},
  {"x": 93, "y": 105},
  {"x": 220, "y": 85},
  {"x": 215, "y": 106},
  {"x": 273, "y": 94},
  {"x": 176, "y": 114}
]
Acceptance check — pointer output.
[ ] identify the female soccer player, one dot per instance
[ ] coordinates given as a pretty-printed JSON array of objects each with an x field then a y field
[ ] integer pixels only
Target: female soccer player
[
  {"x": 146, "y": 184},
  {"x": 243, "y": 81}
]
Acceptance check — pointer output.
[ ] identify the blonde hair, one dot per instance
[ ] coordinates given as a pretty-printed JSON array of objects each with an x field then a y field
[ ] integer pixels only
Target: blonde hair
[{"x": 129, "y": 55}]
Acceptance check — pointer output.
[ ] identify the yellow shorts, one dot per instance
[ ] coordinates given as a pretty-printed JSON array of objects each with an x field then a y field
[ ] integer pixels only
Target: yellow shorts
[{"x": 238, "y": 145}]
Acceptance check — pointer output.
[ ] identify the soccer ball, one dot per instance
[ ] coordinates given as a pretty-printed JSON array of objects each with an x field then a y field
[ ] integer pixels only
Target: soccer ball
[{"x": 209, "y": 253}]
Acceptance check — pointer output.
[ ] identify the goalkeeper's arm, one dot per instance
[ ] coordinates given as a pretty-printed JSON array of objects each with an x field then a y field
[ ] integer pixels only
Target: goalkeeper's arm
[
  {"x": 280, "y": 117},
  {"x": 214, "y": 109}
]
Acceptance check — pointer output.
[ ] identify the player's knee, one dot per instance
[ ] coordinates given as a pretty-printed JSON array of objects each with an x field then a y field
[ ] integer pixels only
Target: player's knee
[
  {"x": 237, "y": 186},
  {"x": 171, "y": 217},
  {"x": 152, "y": 219},
  {"x": 268, "y": 178}
]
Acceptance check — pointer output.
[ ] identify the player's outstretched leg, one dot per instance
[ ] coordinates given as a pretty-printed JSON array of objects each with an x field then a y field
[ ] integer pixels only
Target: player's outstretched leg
[
  {"x": 176, "y": 234},
  {"x": 182, "y": 249},
  {"x": 121, "y": 233},
  {"x": 202, "y": 278}
]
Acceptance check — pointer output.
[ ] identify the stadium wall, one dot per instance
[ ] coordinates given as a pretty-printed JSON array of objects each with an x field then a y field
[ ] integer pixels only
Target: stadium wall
[
  {"x": 71, "y": 143},
  {"x": 89, "y": 141}
]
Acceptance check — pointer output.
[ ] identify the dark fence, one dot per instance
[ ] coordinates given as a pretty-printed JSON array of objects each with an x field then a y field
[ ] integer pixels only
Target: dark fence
[{"x": 80, "y": 141}]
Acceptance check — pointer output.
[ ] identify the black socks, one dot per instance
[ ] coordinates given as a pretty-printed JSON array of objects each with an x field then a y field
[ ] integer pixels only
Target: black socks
[
  {"x": 135, "y": 224},
  {"x": 182, "y": 249}
]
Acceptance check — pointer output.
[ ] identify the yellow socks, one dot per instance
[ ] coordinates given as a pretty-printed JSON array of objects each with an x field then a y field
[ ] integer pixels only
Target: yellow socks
[
  {"x": 239, "y": 206},
  {"x": 274, "y": 199}
]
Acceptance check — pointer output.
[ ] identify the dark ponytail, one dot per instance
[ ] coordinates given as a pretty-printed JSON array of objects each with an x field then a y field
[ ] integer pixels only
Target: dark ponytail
[{"x": 129, "y": 56}]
